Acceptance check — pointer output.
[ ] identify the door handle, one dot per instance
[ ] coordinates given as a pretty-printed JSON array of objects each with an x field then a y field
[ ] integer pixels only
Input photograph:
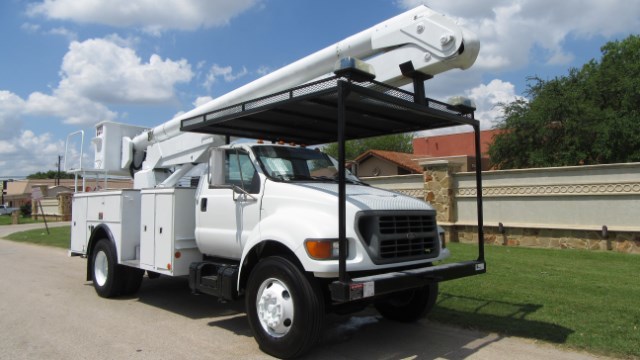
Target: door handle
[{"x": 203, "y": 204}]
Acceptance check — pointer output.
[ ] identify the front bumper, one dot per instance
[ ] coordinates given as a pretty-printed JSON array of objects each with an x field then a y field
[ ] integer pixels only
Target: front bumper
[{"x": 387, "y": 283}]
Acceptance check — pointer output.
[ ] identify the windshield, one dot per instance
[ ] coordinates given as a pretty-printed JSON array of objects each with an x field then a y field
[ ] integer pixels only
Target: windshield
[{"x": 299, "y": 164}]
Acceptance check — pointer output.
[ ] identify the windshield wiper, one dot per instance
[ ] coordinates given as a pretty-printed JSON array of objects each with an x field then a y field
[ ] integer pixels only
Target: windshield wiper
[{"x": 335, "y": 179}]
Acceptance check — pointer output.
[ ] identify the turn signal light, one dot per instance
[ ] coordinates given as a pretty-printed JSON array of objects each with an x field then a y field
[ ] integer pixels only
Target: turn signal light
[
  {"x": 318, "y": 249},
  {"x": 322, "y": 249}
]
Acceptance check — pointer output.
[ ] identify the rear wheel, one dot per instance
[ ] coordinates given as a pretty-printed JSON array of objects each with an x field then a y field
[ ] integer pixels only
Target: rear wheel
[
  {"x": 132, "y": 280},
  {"x": 106, "y": 274},
  {"x": 284, "y": 307},
  {"x": 409, "y": 305}
]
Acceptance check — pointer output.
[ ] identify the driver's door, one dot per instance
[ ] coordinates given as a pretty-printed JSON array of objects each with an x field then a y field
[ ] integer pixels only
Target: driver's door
[{"x": 229, "y": 211}]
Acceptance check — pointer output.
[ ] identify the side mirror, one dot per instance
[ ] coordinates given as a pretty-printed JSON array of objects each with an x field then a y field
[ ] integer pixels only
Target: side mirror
[{"x": 216, "y": 167}]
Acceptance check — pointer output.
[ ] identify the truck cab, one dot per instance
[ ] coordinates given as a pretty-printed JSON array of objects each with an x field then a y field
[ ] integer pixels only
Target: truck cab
[{"x": 257, "y": 193}]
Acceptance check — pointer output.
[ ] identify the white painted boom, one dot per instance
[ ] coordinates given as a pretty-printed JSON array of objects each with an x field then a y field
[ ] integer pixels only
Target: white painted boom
[{"x": 432, "y": 42}]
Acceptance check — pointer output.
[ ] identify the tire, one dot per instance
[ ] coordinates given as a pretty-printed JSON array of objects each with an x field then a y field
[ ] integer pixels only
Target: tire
[
  {"x": 107, "y": 275},
  {"x": 284, "y": 307},
  {"x": 409, "y": 305},
  {"x": 132, "y": 280}
]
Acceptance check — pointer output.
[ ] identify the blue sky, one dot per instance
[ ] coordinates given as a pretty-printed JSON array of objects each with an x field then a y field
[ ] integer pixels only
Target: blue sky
[{"x": 67, "y": 64}]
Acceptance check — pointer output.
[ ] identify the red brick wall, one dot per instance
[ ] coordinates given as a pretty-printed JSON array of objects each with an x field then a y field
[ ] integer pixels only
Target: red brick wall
[{"x": 453, "y": 144}]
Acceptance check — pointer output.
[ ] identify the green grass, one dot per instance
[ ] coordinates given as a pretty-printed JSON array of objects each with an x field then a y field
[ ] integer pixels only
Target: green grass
[
  {"x": 58, "y": 236},
  {"x": 6, "y": 220},
  {"x": 580, "y": 299}
]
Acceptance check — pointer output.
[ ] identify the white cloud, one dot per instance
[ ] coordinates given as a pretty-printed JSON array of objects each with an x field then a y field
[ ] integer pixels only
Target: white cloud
[
  {"x": 201, "y": 100},
  {"x": 216, "y": 71},
  {"x": 103, "y": 71},
  {"x": 509, "y": 30},
  {"x": 488, "y": 98},
  {"x": 28, "y": 153},
  {"x": 96, "y": 72},
  {"x": 264, "y": 70},
  {"x": 72, "y": 107},
  {"x": 64, "y": 32},
  {"x": 30, "y": 28},
  {"x": 128, "y": 42},
  {"x": 11, "y": 111},
  {"x": 153, "y": 17}
]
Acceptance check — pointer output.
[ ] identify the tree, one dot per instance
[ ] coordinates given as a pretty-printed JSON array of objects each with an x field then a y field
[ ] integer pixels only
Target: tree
[
  {"x": 51, "y": 174},
  {"x": 353, "y": 148},
  {"x": 589, "y": 116}
]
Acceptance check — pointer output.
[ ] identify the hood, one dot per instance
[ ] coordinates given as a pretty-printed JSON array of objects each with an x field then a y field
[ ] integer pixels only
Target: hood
[{"x": 371, "y": 198}]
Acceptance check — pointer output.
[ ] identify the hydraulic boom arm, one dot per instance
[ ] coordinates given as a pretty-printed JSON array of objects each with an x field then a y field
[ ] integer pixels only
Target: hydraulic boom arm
[{"x": 431, "y": 42}]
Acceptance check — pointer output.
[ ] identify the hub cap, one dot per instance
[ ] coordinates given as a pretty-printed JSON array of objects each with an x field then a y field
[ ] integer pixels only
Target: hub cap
[
  {"x": 101, "y": 268},
  {"x": 275, "y": 307}
]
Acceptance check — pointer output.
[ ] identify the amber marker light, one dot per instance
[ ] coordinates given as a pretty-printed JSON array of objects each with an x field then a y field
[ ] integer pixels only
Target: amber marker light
[
  {"x": 322, "y": 249},
  {"x": 178, "y": 254}
]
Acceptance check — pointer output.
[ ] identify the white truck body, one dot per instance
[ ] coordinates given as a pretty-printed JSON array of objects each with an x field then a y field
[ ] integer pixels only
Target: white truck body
[
  {"x": 150, "y": 226},
  {"x": 282, "y": 225}
]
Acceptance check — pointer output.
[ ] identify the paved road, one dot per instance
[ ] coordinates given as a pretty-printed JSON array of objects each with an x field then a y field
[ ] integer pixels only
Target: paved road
[{"x": 48, "y": 311}]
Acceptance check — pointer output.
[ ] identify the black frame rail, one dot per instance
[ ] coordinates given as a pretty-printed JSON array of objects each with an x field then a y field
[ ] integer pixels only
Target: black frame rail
[{"x": 306, "y": 114}]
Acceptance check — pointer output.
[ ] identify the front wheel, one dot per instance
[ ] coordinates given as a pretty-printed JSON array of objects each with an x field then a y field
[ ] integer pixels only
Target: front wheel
[
  {"x": 284, "y": 307},
  {"x": 409, "y": 305}
]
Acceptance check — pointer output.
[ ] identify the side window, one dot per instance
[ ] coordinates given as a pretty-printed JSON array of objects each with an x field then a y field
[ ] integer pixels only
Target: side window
[{"x": 239, "y": 171}]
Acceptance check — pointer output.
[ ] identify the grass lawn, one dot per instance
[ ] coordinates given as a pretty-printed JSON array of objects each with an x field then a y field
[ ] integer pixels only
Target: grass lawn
[
  {"x": 59, "y": 236},
  {"x": 580, "y": 299},
  {"x": 6, "y": 220}
]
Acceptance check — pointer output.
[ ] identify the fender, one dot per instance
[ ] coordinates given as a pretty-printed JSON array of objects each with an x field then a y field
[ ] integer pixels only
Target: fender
[
  {"x": 101, "y": 231},
  {"x": 280, "y": 228}
]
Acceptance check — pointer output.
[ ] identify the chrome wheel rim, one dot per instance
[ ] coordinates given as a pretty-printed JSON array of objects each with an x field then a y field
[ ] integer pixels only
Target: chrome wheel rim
[
  {"x": 101, "y": 268},
  {"x": 275, "y": 307}
]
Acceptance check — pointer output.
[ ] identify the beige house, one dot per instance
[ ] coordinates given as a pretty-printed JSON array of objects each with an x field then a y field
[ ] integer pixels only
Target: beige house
[
  {"x": 19, "y": 191},
  {"x": 375, "y": 163},
  {"x": 385, "y": 163}
]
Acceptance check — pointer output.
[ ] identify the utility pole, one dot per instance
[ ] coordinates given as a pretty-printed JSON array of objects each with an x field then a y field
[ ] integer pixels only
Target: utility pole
[{"x": 58, "y": 176}]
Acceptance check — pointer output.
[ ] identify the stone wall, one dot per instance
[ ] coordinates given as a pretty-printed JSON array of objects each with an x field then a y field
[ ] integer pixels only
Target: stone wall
[
  {"x": 411, "y": 185},
  {"x": 628, "y": 242},
  {"x": 438, "y": 186},
  {"x": 582, "y": 207}
]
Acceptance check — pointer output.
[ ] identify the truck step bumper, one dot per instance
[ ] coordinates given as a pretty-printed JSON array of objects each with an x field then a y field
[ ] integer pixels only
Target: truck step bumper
[{"x": 387, "y": 283}]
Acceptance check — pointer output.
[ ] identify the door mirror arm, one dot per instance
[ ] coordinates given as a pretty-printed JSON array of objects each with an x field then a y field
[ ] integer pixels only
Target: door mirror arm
[{"x": 238, "y": 192}]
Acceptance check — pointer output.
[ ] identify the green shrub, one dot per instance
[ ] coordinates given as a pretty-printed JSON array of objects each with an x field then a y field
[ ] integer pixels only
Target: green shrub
[{"x": 25, "y": 210}]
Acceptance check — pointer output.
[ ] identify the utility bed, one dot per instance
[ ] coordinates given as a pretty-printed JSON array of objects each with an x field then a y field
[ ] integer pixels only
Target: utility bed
[{"x": 158, "y": 241}]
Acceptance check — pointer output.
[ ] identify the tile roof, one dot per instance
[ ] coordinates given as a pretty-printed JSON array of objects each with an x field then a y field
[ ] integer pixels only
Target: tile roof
[{"x": 404, "y": 160}]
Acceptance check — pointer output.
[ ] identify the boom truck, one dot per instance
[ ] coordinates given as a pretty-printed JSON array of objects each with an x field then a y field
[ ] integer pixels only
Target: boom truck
[{"x": 283, "y": 225}]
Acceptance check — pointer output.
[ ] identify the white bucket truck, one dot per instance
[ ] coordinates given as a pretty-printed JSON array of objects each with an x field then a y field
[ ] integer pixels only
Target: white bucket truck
[{"x": 285, "y": 226}]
